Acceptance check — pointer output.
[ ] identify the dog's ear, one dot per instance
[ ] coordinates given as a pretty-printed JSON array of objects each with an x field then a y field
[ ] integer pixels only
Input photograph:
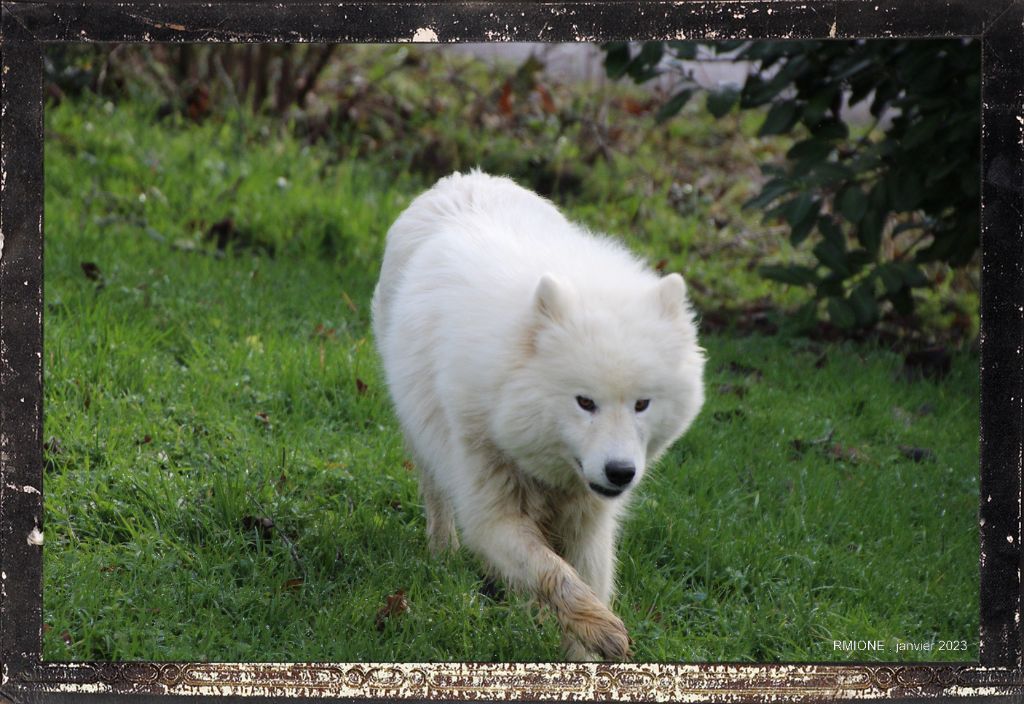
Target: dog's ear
[
  {"x": 671, "y": 294},
  {"x": 552, "y": 298}
]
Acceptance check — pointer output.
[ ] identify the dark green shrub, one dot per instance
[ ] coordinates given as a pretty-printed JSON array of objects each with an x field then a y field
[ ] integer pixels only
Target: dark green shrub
[{"x": 874, "y": 207}]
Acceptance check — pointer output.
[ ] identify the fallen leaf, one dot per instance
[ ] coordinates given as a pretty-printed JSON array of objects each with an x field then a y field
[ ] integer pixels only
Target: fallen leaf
[
  {"x": 547, "y": 103},
  {"x": 197, "y": 104},
  {"x": 637, "y": 107},
  {"x": 661, "y": 266},
  {"x": 262, "y": 417},
  {"x": 293, "y": 584},
  {"x": 917, "y": 454},
  {"x": 146, "y": 439},
  {"x": 361, "y": 386},
  {"x": 222, "y": 233},
  {"x": 91, "y": 271},
  {"x": 845, "y": 454},
  {"x": 408, "y": 465},
  {"x": 66, "y": 637},
  {"x": 396, "y": 604},
  {"x": 505, "y": 101},
  {"x": 325, "y": 332}
]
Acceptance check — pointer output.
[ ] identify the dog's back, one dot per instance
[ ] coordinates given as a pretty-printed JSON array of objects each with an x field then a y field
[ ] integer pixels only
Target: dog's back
[{"x": 456, "y": 195}]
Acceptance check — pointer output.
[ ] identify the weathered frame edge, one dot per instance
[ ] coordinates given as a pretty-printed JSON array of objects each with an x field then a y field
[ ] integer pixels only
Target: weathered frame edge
[{"x": 24, "y": 675}]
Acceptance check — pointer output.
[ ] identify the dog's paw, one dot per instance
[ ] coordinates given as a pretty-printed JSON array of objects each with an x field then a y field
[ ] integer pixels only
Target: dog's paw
[
  {"x": 442, "y": 537},
  {"x": 574, "y": 650},
  {"x": 603, "y": 632}
]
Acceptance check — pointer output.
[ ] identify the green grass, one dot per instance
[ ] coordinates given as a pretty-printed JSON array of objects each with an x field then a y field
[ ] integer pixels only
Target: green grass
[{"x": 193, "y": 392}]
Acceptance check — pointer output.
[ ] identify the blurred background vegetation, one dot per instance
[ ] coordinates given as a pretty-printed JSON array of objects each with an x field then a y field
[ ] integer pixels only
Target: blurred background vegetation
[{"x": 874, "y": 183}]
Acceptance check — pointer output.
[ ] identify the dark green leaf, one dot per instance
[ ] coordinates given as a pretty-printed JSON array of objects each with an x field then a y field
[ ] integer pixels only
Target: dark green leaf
[
  {"x": 673, "y": 105},
  {"x": 809, "y": 150},
  {"x": 645, "y": 66},
  {"x": 852, "y": 203},
  {"x": 684, "y": 50},
  {"x": 801, "y": 208},
  {"x": 905, "y": 189},
  {"x": 819, "y": 104},
  {"x": 616, "y": 59},
  {"x": 826, "y": 173},
  {"x": 902, "y": 301},
  {"x": 800, "y": 213},
  {"x": 800, "y": 231},
  {"x": 831, "y": 285},
  {"x": 781, "y": 118},
  {"x": 721, "y": 100},
  {"x": 829, "y": 229},
  {"x": 858, "y": 259},
  {"x": 830, "y": 130},
  {"x": 769, "y": 192},
  {"x": 833, "y": 257},
  {"x": 869, "y": 233},
  {"x": 891, "y": 278},
  {"x": 911, "y": 275},
  {"x": 841, "y": 313},
  {"x": 756, "y": 91},
  {"x": 863, "y": 303}
]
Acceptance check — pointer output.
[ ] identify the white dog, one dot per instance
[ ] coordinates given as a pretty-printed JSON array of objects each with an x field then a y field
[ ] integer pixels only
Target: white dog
[{"x": 537, "y": 371}]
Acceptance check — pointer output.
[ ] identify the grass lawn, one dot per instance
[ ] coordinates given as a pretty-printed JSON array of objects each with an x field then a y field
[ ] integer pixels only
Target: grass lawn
[{"x": 225, "y": 479}]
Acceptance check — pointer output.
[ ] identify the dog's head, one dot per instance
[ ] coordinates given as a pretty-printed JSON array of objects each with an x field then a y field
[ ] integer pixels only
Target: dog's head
[{"x": 612, "y": 377}]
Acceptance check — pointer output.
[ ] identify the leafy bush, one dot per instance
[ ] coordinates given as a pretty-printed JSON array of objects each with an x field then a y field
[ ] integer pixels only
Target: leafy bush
[{"x": 879, "y": 204}]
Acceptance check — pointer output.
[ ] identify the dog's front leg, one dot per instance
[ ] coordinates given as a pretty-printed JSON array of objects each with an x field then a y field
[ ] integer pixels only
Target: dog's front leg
[
  {"x": 515, "y": 548},
  {"x": 590, "y": 549}
]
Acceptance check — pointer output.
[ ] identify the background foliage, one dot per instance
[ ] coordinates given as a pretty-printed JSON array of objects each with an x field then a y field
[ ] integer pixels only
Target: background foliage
[{"x": 878, "y": 204}]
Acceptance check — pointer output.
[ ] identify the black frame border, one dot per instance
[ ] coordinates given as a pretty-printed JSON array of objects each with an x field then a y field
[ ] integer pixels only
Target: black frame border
[{"x": 26, "y": 26}]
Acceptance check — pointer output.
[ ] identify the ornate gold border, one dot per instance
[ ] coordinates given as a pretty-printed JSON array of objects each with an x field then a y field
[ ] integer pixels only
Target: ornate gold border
[{"x": 528, "y": 681}]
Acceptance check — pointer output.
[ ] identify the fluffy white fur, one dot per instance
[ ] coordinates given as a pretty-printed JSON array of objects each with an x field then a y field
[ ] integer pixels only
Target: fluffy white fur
[{"x": 492, "y": 314}]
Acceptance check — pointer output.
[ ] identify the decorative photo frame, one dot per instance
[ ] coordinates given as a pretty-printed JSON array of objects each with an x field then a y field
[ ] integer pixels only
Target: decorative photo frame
[{"x": 25, "y": 29}]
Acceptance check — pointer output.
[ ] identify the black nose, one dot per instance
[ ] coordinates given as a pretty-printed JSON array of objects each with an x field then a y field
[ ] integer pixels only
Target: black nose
[{"x": 620, "y": 473}]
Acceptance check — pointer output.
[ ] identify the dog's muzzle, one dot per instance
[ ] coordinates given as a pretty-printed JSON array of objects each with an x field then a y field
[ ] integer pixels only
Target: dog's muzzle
[{"x": 604, "y": 491}]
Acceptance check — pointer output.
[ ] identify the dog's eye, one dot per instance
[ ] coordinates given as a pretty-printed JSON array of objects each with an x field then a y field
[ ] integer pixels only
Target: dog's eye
[
  {"x": 586, "y": 404},
  {"x": 642, "y": 405}
]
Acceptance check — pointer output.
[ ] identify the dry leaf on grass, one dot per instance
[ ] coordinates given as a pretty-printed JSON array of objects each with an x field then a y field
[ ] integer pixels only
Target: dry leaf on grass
[{"x": 396, "y": 605}]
